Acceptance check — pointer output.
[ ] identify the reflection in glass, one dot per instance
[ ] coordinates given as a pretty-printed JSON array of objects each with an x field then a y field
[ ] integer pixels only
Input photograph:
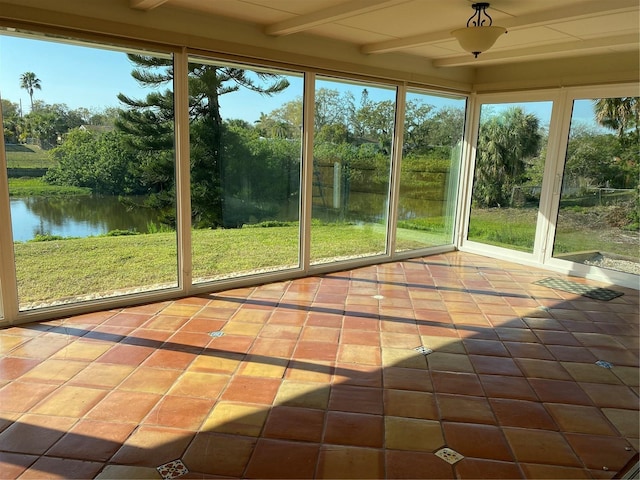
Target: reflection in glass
[
  {"x": 245, "y": 130},
  {"x": 351, "y": 169},
  {"x": 508, "y": 174},
  {"x": 92, "y": 183},
  {"x": 599, "y": 215},
  {"x": 431, "y": 155}
]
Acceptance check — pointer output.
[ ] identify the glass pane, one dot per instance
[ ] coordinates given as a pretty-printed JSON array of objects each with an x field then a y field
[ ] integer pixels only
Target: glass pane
[
  {"x": 351, "y": 169},
  {"x": 512, "y": 144},
  {"x": 91, "y": 169},
  {"x": 245, "y": 169},
  {"x": 599, "y": 216},
  {"x": 431, "y": 155}
]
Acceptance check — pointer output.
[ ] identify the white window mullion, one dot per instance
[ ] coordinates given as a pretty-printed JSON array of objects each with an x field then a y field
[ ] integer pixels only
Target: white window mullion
[
  {"x": 183, "y": 173},
  {"x": 396, "y": 165},
  {"x": 552, "y": 177},
  {"x": 467, "y": 169},
  {"x": 8, "y": 282},
  {"x": 306, "y": 181}
]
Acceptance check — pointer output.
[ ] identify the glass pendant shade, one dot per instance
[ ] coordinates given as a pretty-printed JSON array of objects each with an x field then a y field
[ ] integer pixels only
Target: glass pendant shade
[{"x": 478, "y": 39}]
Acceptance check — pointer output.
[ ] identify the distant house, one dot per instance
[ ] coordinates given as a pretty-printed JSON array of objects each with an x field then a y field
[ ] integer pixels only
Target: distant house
[{"x": 97, "y": 128}]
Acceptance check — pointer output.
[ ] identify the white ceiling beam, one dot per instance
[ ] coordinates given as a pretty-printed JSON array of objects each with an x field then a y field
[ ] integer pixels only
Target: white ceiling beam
[
  {"x": 145, "y": 4},
  {"x": 529, "y": 53},
  {"x": 548, "y": 17},
  {"x": 327, "y": 15},
  {"x": 405, "y": 42}
]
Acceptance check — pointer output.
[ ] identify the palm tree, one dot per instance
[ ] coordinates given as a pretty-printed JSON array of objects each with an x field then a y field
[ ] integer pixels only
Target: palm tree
[
  {"x": 30, "y": 82},
  {"x": 617, "y": 113},
  {"x": 506, "y": 143}
]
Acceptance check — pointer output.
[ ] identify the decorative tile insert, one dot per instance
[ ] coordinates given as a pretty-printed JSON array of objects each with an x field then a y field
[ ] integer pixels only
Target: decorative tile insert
[
  {"x": 378, "y": 297},
  {"x": 423, "y": 350},
  {"x": 448, "y": 455},
  {"x": 174, "y": 469},
  {"x": 216, "y": 334},
  {"x": 603, "y": 364}
]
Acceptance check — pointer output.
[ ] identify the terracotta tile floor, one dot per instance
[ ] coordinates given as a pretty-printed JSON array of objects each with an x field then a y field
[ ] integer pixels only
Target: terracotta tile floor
[{"x": 319, "y": 377}]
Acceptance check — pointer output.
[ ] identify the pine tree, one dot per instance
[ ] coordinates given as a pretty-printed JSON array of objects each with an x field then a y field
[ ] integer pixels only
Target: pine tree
[{"x": 150, "y": 124}]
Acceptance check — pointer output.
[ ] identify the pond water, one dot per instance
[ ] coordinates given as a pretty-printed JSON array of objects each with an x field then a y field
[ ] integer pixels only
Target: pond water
[
  {"x": 81, "y": 216},
  {"x": 85, "y": 216}
]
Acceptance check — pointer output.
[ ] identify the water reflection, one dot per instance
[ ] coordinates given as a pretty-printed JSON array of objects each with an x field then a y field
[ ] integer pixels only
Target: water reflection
[
  {"x": 81, "y": 216},
  {"x": 84, "y": 216}
]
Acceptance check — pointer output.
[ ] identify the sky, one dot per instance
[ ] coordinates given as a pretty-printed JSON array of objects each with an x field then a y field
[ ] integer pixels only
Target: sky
[
  {"x": 55, "y": 64},
  {"x": 92, "y": 78}
]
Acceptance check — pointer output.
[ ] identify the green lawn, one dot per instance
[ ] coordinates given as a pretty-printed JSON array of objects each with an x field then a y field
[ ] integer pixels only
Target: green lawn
[
  {"x": 65, "y": 268},
  {"x": 57, "y": 269},
  {"x": 27, "y": 156},
  {"x": 504, "y": 227},
  {"x": 577, "y": 231},
  {"x": 26, "y": 187}
]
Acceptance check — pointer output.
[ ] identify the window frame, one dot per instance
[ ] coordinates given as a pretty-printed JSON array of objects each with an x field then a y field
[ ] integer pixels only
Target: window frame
[
  {"x": 559, "y": 127},
  {"x": 565, "y": 266},
  {"x": 469, "y": 164},
  {"x": 554, "y": 165}
]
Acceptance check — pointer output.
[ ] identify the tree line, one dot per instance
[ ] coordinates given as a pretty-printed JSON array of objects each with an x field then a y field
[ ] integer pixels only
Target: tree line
[
  {"x": 130, "y": 150},
  {"x": 255, "y": 165}
]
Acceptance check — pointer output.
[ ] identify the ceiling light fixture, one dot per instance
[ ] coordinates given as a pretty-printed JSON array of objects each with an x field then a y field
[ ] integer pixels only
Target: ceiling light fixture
[{"x": 478, "y": 36}]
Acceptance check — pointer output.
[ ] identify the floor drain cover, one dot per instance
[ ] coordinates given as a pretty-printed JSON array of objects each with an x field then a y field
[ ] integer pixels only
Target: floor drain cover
[
  {"x": 603, "y": 364},
  {"x": 216, "y": 334},
  {"x": 423, "y": 350},
  {"x": 173, "y": 469},
  {"x": 449, "y": 456}
]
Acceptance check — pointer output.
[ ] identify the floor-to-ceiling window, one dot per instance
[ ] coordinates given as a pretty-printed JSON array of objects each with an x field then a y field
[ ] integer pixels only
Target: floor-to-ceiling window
[
  {"x": 88, "y": 134},
  {"x": 508, "y": 174},
  {"x": 353, "y": 138},
  {"x": 561, "y": 189},
  {"x": 598, "y": 217},
  {"x": 245, "y": 148},
  {"x": 95, "y": 204},
  {"x": 430, "y": 168}
]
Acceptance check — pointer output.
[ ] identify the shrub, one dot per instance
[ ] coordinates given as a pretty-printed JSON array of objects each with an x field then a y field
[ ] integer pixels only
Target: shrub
[
  {"x": 153, "y": 227},
  {"x": 46, "y": 238},
  {"x": 120, "y": 233},
  {"x": 625, "y": 215}
]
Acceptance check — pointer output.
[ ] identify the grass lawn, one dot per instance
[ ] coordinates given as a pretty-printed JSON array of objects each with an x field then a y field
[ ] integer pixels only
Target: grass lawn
[
  {"x": 58, "y": 269},
  {"x": 72, "y": 267},
  {"x": 68, "y": 268},
  {"x": 25, "y": 187},
  {"x": 504, "y": 227},
  {"x": 27, "y": 156},
  {"x": 604, "y": 240},
  {"x": 221, "y": 253},
  {"x": 577, "y": 231}
]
